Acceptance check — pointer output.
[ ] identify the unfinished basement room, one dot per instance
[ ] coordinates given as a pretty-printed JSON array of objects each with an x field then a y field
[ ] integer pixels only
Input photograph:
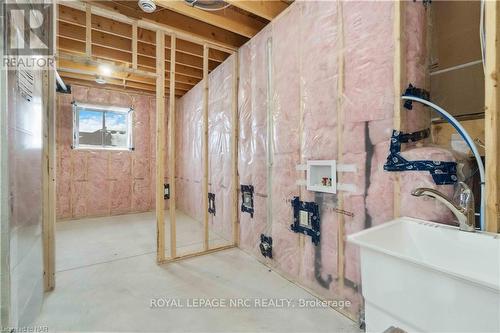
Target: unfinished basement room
[{"x": 211, "y": 166}]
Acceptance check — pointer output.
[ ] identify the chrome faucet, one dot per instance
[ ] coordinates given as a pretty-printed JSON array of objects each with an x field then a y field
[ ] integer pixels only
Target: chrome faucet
[{"x": 464, "y": 210}]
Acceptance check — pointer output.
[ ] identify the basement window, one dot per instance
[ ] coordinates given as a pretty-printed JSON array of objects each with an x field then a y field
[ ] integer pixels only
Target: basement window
[{"x": 102, "y": 127}]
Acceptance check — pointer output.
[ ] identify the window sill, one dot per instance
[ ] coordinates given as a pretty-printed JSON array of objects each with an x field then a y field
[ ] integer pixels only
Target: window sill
[{"x": 102, "y": 148}]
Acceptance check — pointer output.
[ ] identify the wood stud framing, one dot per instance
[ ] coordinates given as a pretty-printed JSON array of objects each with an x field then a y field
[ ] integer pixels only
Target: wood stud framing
[
  {"x": 234, "y": 153},
  {"x": 88, "y": 30},
  {"x": 205, "y": 149},
  {"x": 160, "y": 145},
  {"x": 171, "y": 151},
  {"x": 399, "y": 84},
  {"x": 134, "y": 46},
  {"x": 492, "y": 118},
  {"x": 100, "y": 35},
  {"x": 49, "y": 179}
]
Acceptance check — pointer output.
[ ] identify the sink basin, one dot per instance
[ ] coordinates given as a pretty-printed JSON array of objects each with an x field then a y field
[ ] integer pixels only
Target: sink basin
[{"x": 422, "y": 276}]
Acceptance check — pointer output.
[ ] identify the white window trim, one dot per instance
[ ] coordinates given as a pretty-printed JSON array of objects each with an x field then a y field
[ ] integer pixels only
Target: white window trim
[{"x": 103, "y": 108}]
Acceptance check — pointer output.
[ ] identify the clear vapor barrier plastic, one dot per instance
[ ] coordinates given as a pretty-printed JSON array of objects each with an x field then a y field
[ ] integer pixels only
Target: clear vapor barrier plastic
[{"x": 318, "y": 84}]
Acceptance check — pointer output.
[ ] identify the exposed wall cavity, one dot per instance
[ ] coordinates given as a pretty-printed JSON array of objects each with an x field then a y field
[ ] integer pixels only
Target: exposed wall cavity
[
  {"x": 104, "y": 182},
  {"x": 190, "y": 159}
]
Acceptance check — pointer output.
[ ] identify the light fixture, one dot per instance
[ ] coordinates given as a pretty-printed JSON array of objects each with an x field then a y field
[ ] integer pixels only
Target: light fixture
[
  {"x": 100, "y": 80},
  {"x": 147, "y": 6},
  {"x": 105, "y": 70}
]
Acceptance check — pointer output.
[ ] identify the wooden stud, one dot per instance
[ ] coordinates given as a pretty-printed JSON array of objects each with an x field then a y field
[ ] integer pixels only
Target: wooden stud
[
  {"x": 171, "y": 151},
  {"x": 88, "y": 30},
  {"x": 340, "y": 129},
  {"x": 205, "y": 149},
  {"x": 160, "y": 144},
  {"x": 492, "y": 118},
  {"x": 134, "y": 46},
  {"x": 49, "y": 179},
  {"x": 399, "y": 79},
  {"x": 234, "y": 153},
  {"x": 49, "y": 173}
]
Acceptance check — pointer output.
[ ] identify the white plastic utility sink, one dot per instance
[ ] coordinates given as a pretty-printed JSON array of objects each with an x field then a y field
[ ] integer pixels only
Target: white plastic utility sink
[{"x": 426, "y": 277}]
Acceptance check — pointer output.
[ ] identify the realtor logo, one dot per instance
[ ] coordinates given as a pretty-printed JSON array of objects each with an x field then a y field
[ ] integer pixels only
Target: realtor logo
[{"x": 28, "y": 29}]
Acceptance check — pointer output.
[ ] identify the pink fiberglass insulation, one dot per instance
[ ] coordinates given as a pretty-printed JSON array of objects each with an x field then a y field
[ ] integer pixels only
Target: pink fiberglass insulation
[
  {"x": 101, "y": 183},
  {"x": 305, "y": 122},
  {"x": 220, "y": 182},
  {"x": 189, "y": 156},
  {"x": 252, "y": 109},
  {"x": 424, "y": 207},
  {"x": 189, "y": 145}
]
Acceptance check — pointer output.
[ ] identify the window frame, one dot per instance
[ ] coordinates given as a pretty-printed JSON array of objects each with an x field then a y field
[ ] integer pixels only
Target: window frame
[{"x": 103, "y": 109}]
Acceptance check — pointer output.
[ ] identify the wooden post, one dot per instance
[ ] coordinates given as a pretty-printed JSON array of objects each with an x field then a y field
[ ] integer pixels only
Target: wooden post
[
  {"x": 49, "y": 171},
  {"x": 134, "y": 45},
  {"x": 171, "y": 160},
  {"x": 88, "y": 30},
  {"x": 205, "y": 148},
  {"x": 399, "y": 83},
  {"x": 492, "y": 119},
  {"x": 160, "y": 144},
  {"x": 49, "y": 179},
  {"x": 234, "y": 155},
  {"x": 340, "y": 129}
]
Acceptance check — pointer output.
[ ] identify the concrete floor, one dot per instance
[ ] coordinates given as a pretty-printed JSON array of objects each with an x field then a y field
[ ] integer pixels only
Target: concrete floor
[{"x": 107, "y": 280}]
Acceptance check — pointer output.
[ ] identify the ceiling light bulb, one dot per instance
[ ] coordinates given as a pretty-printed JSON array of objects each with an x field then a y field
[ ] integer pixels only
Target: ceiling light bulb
[{"x": 105, "y": 70}]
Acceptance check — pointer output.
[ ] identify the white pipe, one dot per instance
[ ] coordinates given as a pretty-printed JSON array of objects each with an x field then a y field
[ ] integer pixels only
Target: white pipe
[
  {"x": 467, "y": 139},
  {"x": 60, "y": 81}
]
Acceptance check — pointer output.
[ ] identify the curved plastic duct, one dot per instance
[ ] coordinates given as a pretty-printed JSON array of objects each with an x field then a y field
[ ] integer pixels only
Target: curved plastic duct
[
  {"x": 209, "y": 5},
  {"x": 449, "y": 118}
]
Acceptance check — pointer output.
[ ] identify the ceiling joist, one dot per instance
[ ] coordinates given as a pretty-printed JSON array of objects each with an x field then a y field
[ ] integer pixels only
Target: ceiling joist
[
  {"x": 91, "y": 33},
  {"x": 228, "y": 19}
]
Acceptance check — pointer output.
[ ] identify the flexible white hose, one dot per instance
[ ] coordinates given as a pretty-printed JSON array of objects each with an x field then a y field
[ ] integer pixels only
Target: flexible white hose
[
  {"x": 467, "y": 139},
  {"x": 60, "y": 81}
]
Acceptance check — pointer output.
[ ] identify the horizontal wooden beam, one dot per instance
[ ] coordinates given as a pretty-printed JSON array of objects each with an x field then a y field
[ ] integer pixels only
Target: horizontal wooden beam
[
  {"x": 171, "y": 22},
  {"x": 146, "y": 64},
  {"x": 105, "y": 37},
  {"x": 89, "y": 80},
  {"x": 267, "y": 9},
  {"x": 93, "y": 62},
  {"x": 78, "y": 68},
  {"x": 227, "y": 19}
]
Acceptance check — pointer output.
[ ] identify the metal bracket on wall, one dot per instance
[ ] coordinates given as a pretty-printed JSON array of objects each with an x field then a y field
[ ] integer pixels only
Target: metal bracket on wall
[
  {"x": 211, "y": 203},
  {"x": 266, "y": 246},
  {"x": 306, "y": 219},
  {"x": 247, "y": 199},
  {"x": 166, "y": 191}
]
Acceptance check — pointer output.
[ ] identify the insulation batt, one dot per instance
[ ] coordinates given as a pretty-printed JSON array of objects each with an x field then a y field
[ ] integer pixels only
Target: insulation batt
[
  {"x": 100, "y": 183},
  {"x": 189, "y": 155},
  {"x": 424, "y": 207}
]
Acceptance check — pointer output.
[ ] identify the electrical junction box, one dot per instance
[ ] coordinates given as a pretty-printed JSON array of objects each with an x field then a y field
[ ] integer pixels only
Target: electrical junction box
[{"x": 322, "y": 176}]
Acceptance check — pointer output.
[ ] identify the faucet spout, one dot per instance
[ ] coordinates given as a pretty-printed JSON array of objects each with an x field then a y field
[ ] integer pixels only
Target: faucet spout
[{"x": 464, "y": 212}]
